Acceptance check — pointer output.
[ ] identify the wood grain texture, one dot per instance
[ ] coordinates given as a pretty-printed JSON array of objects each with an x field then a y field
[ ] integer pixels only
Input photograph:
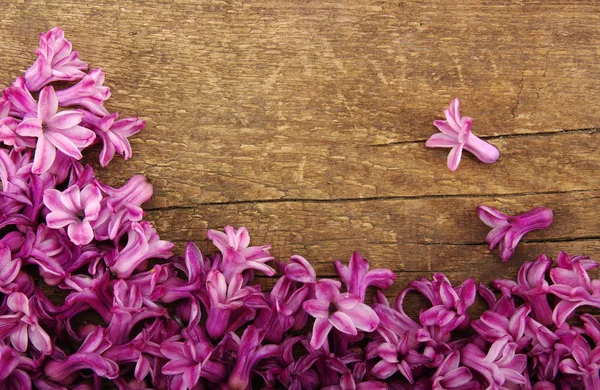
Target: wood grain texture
[{"x": 305, "y": 120}]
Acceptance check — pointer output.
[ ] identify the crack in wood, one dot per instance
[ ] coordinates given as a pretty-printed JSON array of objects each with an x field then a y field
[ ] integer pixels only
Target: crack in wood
[{"x": 366, "y": 199}]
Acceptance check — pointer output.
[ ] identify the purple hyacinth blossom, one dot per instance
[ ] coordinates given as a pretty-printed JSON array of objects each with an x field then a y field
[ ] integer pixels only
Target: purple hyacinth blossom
[
  {"x": 449, "y": 310},
  {"x": 89, "y": 356},
  {"x": 188, "y": 362},
  {"x": 238, "y": 256},
  {"x": 56, "y": 61},
  {"x": 348, "y": 382},
  {"x": 20, "y": 99},
  {"x": 15, "y": 369},
  {"x": 143, "y": 243},
  {"x": 225, "y": 298},
  {"x": 113, "y": 133},
  {"x": 456, "y": 134},
  {"x": 500, "y": 366},
  {"x": 531, "y": 285},
  {"x": 249, "y": 353},
  {"x": 509, "y": 230},
  {"x": 121, "y": 205},
  {"x": 9, "y": 267},
  {"x": 492, "y": 326},
  {"x": 585, "y": 363},
  {"x": 88, "y": 93},
  {"x": 22, "y": 325},
  {"x": 54, "y": 131},
  {"x": 397, "y": 355},
  {"x": 358, "y": 278},
  {"x": 451, "y": 376},
  {"x": 573, "y": 285},
  {"x": 74, "y": 208},
  {"x": 345, "y": 312},
  {"x": 300, "y": 270}
]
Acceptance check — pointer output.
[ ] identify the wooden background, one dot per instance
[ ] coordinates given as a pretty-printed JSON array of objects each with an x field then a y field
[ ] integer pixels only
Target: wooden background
[{"x": 305, "y": 120}]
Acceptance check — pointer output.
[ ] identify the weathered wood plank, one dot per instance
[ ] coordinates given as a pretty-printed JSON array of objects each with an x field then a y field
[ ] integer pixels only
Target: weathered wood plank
[
  {"x": 276, "y": 99},
  {"x": 436, "y": 234}
]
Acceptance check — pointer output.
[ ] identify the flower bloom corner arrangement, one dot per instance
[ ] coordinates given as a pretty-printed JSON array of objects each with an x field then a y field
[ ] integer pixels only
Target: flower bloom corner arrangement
[{"x": 92, "y": 298}]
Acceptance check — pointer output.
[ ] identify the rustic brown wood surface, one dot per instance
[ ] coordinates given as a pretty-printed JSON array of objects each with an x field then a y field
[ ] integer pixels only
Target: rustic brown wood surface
[{"x": 305, "y": 120}]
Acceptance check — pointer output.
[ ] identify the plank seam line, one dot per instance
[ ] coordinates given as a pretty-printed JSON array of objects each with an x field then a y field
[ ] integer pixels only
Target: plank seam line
[{"x": 365, "y": 199}]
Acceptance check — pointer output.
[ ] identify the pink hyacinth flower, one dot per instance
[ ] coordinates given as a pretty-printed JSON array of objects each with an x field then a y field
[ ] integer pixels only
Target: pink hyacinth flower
[
  {"x": 188, "y": 362},
  {"x": 114, "y": 133},
  {"x": 89, "y": 356},
  {"x": 75, "y": 209},
  {"x": 456, "y": 134},
  {"x": 531, "y": 285},
  {"x": 344, "y": 311},
  {"x": 56, "y": 61},
  {"x": 143, "y": 243},
  {"x": 501, "y": 367},
  {"x": 9, "y": 267},
  {"x": 238, "y": 256},
  {"x": 54, "y": 130},
  {"x": 88, "y": 93},
  {"x": 573, "y": 285},
  {"x": 508, "y": 230},
  {"x": 358, "y": 278},
  {"x": 23, "y": 326}
]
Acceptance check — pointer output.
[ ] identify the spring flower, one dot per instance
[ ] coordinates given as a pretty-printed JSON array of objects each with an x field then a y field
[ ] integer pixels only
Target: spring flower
[
  {"x": 532, "y": 286},
  {"x": 9, "y": 267},
  {"x": 358, "y": 278},
  {"x": 54, "y": 131},
  {"x": 88, "y": 93},
  {"x": 14, "y": 368},
  {"x": 397, "y": 355},
  {"x": 456, "y": 134},
  {"x": 238, "y": 256},
  {"x": 74, "y": 208},
  {"x": 56, "y": 61},
  {"x": 121, "y": 205},
  {"x": 500, "y": 367},
  {"x": 188, "y": 362},
  {"x": 113, "y": 133},
  {"x": 344, "y": 311},
  {"x": 449, "y": 310},
  {"x": 89, "y": 356},
  {"x": 249, "y": 353},
  {"x": 22, "y": 326},
  {"x": 450, "y": 375},
  {"x": 573, "y": 285},
  {"x": 584, "y": 363},
  {"x": 508, "y": 230},
  {"x": 143, "y": 243}
]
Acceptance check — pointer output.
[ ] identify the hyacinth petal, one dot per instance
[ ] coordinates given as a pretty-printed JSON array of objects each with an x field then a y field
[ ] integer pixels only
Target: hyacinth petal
[
  {"x": 64, "y": 144},
  {"x": 19, "y": 337},
  {"x": 80, "y": 233},
  {"x": 346, "y": 301},
  {"x": 40, "y": 339},
  {"x": 176, "y": 366},
  {"x": 65, "y": 120},
  {"x": 388, "y": 353},
  {"x": 48, "y": 104},
  {"x": 45, "y": 153},
  {"x": 384, "y": 369},
  {"x": 491, "y": 217},
  {"x": 457, "y": 377},
  {"x": 440, "y": 140},
  {"x": 364, "y": 317},
  {"x": 31, "y": 127},
  {"x": 321, "y": 329},
  {"x": 18, "y": 302},
  {"x": 326, "y": 292},
  {"x": 316, "y": 308},
  {"x": 454, "y": 157},
  {"x": 343, "y": 323}
]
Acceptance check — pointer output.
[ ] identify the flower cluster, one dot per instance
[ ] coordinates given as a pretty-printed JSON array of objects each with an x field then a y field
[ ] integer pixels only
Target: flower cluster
[{"x": 92, "y": 297}]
